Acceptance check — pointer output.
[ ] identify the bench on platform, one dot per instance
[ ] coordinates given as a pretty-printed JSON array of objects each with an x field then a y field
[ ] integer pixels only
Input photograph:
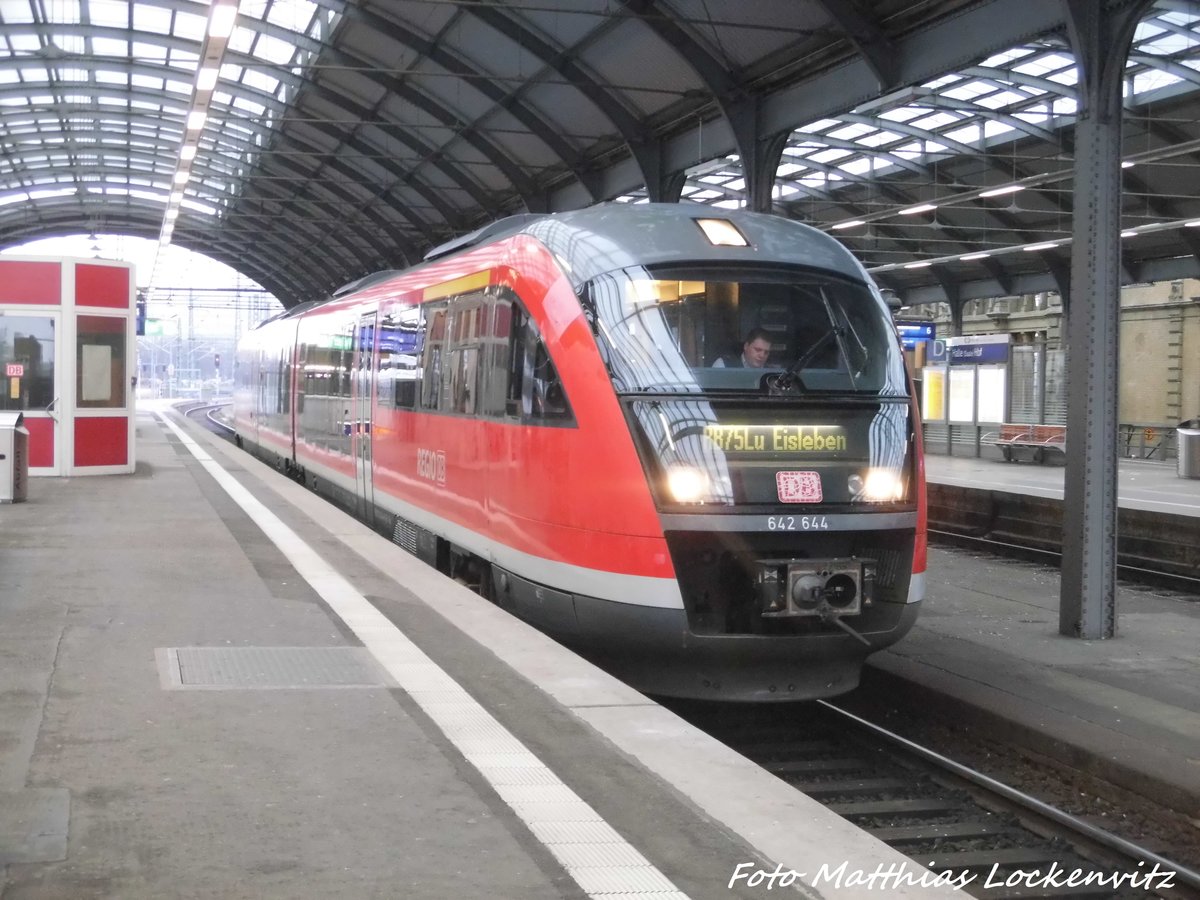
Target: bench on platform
[{"x": 1036, "y": 438}]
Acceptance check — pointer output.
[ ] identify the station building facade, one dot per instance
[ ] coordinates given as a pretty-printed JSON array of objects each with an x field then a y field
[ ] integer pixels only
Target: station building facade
[{"x": 1159, "y": 350}]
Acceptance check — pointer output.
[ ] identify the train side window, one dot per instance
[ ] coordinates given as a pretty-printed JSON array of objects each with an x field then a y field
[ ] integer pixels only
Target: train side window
[
  {"x": 549, "y": 399},
  {"x": 401, "y": 342},
  {"x": 283, "y": 384},
  {"x": 534, "y": 390},
  {"x": 518, "y": 376},
  {"x": 464, "y": 365},
  {"x": 431, "y": 357},
  {"x": 344, "y": 355},
  {"x": 496, "y": 349},
  {"x": 466, "y": 326}
]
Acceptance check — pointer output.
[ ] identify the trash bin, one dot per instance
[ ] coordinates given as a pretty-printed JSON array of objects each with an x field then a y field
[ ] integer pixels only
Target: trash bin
[
  {"x": 1187, "y": 448},
  {"x": 14, "y": 457}
]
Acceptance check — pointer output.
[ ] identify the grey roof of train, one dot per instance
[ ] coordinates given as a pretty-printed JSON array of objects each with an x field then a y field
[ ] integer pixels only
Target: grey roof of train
[
  {"x": 347, "y": 136},
  {"x": 601, "y": 239}
]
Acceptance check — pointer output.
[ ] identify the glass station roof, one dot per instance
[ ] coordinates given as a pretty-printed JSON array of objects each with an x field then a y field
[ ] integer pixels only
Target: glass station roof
[
  {"x": 886, "y": 160},
  {"x": 95, "y": 95}
]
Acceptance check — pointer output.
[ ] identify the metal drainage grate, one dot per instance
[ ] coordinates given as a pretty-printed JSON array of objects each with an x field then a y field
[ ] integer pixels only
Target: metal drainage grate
[{"x": 269, "y": 668}]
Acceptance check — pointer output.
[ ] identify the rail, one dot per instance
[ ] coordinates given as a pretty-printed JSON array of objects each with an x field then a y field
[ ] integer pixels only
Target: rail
[{"x": 958, "y": 821}]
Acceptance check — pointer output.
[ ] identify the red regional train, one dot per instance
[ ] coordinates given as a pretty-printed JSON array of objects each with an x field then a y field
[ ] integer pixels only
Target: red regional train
[{"x": 558, "y": 409}]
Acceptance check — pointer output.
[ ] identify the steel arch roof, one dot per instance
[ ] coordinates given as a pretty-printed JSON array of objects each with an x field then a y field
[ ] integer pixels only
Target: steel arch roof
[{"x": 345, "y": 136}]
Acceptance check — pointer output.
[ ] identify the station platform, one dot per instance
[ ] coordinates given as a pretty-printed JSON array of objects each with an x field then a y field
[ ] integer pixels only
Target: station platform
[
  {"x": 214, "y": 684},
  {"x": 1141, "y": 484},
  {"x": 987, "y": 647}
]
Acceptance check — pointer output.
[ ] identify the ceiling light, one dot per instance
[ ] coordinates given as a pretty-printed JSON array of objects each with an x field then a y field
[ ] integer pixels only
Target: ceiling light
[
  {"x": 913, "y": 210},
  {"x": 975, "y": 255},
  {"x": 1128, "y": 234},
  {"x": 1007, "y": 189},
  {"x": 207, "y": 79},
  {"x": 172, "y": 213},
  {"x": 181, "y": 176},
  {"x": 1126, "y": 164},
  {"x": 221, "y": 20},
  {"x": 851, "y": 224},
  {"x": 188, "y": 152},
  {"x": 1195, "y": 223},
  {"x": 196, "y": 119},
  {"x": 1045, "y": 246},
  {"x": 917, "y": 265}
]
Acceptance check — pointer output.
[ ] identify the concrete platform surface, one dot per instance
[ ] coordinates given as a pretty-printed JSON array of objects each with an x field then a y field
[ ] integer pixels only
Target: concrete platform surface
[
  {"x": 214, "y": 685},
  {"x": 1152, "y": 486}
]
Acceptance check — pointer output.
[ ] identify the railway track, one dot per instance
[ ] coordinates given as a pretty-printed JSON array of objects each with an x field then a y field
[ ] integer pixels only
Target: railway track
[
  {"x": 1013, "y": 548},
  {"x": 995, "y": 841}
]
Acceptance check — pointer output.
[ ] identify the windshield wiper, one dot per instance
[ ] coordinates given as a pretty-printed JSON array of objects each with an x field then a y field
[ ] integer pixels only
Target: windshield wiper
[{"x": 790, "y": 380}]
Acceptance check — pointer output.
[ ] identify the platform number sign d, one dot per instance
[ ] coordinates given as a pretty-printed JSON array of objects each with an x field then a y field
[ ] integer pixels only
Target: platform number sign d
[{"x": 14, "y": 370}]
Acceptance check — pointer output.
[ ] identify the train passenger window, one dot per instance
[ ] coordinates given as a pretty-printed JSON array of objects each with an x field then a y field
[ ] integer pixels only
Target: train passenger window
[
  {"x": 431, "y": 359},
  {"x": 282, "y": 385},
  {"x": 466, "y": 326},
  {"x": 401, "y": 341},
  {"x": 464, "y": 366},
  {"x": 483, "y": 355},
  {"x": 549, "y": 400},
  {"x": 494, "y": 364},
  {"x": 534, "y": 390},
  {"x": 345, "y": 360}
]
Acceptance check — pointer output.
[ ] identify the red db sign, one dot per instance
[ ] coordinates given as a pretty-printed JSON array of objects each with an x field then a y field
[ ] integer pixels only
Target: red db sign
[{"x": 14, "y": 370}]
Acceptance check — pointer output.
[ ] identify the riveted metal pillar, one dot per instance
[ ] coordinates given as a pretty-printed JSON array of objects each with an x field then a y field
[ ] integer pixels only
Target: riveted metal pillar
[
  {"x": 957, "y": 305},
  {"x": 661, "y": 186},
  {"x": 760, "y": 153},
  {"x": 1100, "y": 34}
]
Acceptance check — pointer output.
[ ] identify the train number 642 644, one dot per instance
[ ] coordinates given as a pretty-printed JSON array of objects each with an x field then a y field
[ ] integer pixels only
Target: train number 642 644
[{"x": 797, "y": 523}]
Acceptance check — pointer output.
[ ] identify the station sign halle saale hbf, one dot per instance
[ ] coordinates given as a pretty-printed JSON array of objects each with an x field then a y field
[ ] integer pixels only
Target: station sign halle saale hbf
[{"x": 67, "y": 345}]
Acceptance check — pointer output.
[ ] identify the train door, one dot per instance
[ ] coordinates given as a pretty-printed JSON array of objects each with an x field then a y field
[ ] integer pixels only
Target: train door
[
  {"x": 29, "y": 344},
  {"x": 363, "y": 368}
]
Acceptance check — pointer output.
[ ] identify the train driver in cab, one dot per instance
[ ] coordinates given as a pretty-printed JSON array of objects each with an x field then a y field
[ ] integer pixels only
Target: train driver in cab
[{"x": 755, "y": 351}]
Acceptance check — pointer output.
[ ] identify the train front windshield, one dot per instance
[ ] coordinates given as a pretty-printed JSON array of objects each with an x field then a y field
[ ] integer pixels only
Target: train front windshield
[
  {"x": 686, "y": 332},
  {"x": 784, "y": 386}
]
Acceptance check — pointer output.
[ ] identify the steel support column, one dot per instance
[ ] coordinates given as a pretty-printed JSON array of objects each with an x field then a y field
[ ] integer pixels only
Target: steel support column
[
  {"x": 957, "y": 303},
  {"x": 1100, "y": 34}
]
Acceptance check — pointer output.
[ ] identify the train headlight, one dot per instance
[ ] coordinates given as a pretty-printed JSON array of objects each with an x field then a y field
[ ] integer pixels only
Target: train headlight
[
  {"x": 687, "y": 484},
  {"x": 878, "y": 486}
]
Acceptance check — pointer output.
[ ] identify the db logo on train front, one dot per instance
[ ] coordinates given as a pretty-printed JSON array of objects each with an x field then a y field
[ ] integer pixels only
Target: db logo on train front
[{"x": 798, "y": 487}]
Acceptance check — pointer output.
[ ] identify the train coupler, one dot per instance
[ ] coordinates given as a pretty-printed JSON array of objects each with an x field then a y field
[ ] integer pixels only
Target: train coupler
[{"x": 826, "y": 588}]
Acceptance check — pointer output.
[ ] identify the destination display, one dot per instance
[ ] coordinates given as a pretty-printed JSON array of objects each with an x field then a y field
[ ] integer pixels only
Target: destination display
[{"x": 778, "y": 438}]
